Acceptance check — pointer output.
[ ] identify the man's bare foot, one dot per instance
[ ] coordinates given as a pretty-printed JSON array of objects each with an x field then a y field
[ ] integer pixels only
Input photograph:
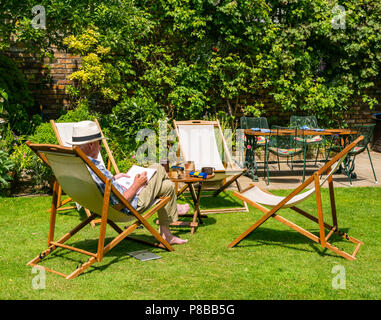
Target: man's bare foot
[
  {"x": 176, "y": 240},
  {"x": 169, "y": 237},
  {"x": 182, "y": 209}
]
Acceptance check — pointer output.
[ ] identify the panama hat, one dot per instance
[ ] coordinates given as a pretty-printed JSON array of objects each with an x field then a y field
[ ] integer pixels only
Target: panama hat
[{"x": 85, "y": 132}]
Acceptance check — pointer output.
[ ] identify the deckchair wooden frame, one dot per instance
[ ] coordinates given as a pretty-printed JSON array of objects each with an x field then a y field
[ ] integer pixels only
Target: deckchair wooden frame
[
  {"x": 227, "y": 164},
  {"x": 323, "y": 238},
  {"x": 110, "y": 163},
  {"x": 39, "y": 149}
]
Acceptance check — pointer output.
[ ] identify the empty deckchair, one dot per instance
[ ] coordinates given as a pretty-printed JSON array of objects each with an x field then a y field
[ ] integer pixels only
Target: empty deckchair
[
  {"x": 80, "y": 186},
  {"x": 198, "y": 142},
  {"x": 262, "y": 199},
  {"x": 63, "y": 132}
]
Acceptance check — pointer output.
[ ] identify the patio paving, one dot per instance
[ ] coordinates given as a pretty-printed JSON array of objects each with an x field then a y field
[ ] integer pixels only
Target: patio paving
[{"x": 287, "y": 179}]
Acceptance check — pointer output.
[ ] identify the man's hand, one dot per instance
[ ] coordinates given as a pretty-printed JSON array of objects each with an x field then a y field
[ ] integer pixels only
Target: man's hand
[
  {"x": 121, "y": 175},
  {"x": 140, "y": 180}
]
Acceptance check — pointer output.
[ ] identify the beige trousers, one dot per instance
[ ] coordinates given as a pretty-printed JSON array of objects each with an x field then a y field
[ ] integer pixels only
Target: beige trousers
[{"x": 159, "y": 186}]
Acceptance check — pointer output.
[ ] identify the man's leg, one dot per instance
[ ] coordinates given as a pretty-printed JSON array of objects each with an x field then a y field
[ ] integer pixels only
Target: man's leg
[{"x": 158, "y": 186}]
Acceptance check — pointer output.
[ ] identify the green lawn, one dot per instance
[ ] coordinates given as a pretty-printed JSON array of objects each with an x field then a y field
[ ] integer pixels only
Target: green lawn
[{"x": 274, "y": 262}]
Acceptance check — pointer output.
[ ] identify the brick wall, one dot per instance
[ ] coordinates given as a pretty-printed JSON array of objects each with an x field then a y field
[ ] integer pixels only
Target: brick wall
[
  {"x": 360, "y": 112},
  {"x": 47, "y": 79}
]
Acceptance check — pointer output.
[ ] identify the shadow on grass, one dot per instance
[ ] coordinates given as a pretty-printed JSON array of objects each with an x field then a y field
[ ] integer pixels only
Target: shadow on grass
[
  {"x": 290, "y": 239},
  {"x": 117, "y": 254},
  {"x": 224, "y": 200}
]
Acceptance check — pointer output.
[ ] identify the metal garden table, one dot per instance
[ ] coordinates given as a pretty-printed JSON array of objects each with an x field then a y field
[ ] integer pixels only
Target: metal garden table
[{"x": 252, "y": 135}]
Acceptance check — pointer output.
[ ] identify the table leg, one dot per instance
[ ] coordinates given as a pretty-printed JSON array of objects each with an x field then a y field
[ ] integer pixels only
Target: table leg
[
  {"x": 250, "y": 163},
  {"x": 197, "y": 205},
  {"x": 349, "y": 166},
  {"x": 196, "y": 201}
]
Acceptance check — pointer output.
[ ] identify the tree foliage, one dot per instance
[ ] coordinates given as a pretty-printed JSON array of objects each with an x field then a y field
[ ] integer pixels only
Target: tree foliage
[
  {"x": 16, "y": 98},
  {"x": 191, "y": 57}
]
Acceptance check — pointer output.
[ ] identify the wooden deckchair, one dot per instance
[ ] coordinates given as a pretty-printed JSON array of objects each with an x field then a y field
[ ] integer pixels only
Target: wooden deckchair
[
  {"x": 261, "y": 199},
  {"x": 80, "y": 186},
  {"x": 63, "y": 132},
  {"x": 198, "y": 143}
]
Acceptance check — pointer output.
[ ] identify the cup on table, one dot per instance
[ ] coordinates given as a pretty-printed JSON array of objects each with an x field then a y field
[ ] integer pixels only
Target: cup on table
[
  {"x": 207, "y": 170},
  {"x": 189, "y": 166},
  {"x": 174, "y": 174}
]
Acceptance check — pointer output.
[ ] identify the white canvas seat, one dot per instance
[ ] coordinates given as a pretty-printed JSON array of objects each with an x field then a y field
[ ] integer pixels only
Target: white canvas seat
[
  {"x": 80, "y": 185},
  {"x": 267, "y": 199},
  {"x": 64, "y": 132},
  {"x": 271, "y": 204},
  {"x": 198, "y": 142},
  {"x": 262, "y": 197},
  {"x": 71, "y": 170}
]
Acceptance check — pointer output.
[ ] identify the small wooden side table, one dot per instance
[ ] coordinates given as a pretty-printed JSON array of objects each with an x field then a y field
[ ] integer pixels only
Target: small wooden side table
[{"x": 189, "y": 181}]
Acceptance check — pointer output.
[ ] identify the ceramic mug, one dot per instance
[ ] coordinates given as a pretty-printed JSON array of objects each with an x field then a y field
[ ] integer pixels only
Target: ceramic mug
[
  {"x": 207, "y": 170},
  {"x": 189, "y": 166}
]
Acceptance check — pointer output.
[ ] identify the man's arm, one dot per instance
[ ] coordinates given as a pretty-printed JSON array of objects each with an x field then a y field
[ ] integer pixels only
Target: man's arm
[{"x": 139, "y": 181}]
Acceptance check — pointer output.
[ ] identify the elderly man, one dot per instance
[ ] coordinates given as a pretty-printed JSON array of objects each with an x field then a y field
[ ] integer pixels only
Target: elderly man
[{"x": 87, "y": 136}]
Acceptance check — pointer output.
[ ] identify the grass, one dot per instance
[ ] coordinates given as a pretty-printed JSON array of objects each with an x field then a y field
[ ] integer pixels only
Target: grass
[{"x": 274, "y": 262}]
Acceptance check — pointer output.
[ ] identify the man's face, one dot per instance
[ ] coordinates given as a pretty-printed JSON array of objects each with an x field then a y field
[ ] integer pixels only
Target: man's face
[
  {"x": 91, "y": 149},
  {"x": 95, "y": 148}
]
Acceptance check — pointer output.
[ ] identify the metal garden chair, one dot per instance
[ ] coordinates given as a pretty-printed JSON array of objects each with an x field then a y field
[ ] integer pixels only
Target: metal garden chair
[
  {"x": 282, "y": 145},
  {"x": 307, "y": 122},
  {"x": 366, "y": 130}
]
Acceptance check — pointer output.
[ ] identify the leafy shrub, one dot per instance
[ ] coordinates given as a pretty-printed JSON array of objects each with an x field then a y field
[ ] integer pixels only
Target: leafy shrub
[
  {"x": 19, "y": 103},
  {"x": 3, "y": 99},
  {"x": 123, "y": 124},
  {"x": 30, "y": 170},
  {"x": 97, "y": 78},
  {"x": 80, "y": 113},
  {"x": 6, "y": 165},
  {"x": 7, "y": 138}
]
